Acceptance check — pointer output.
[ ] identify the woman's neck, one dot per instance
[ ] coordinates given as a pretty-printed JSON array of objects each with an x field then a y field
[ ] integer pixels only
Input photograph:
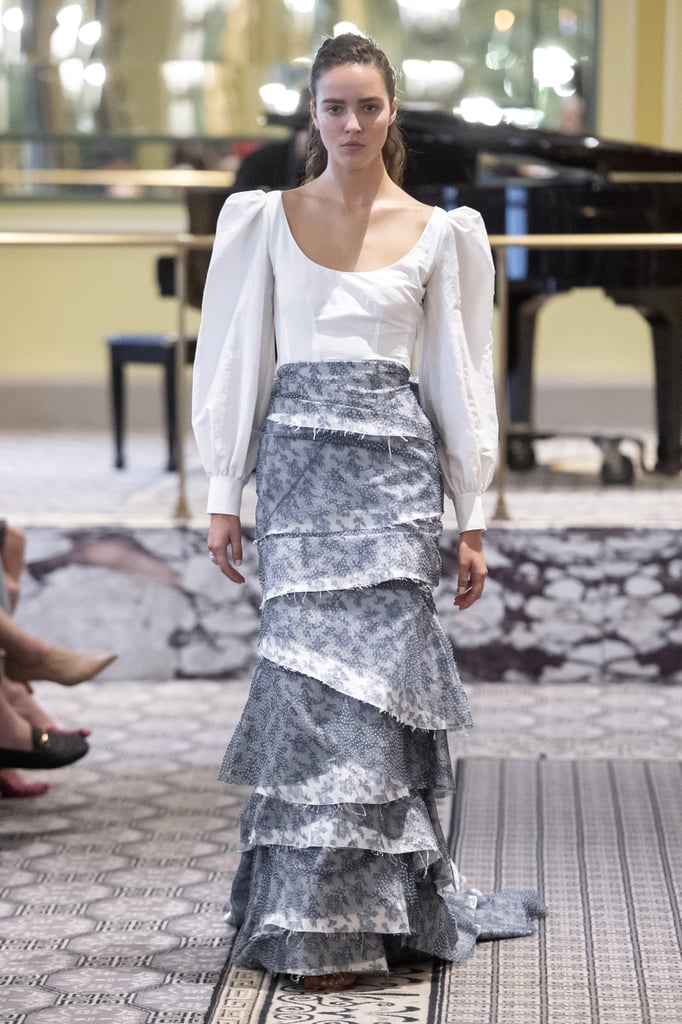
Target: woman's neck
[{"x": 354, "y": 189}]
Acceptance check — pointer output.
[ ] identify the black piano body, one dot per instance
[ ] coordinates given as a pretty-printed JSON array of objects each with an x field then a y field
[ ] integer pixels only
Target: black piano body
[
  {"x": 529, "y": 181},
  {"x": 548, "y": 183}
]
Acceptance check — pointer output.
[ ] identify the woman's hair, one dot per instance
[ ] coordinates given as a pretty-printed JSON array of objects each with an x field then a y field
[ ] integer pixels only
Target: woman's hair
[{"x": 354, "y": 49}]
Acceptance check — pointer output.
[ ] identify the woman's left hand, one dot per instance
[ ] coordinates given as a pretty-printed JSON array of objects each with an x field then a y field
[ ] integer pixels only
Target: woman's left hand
[{"x": 472, "y": 569}]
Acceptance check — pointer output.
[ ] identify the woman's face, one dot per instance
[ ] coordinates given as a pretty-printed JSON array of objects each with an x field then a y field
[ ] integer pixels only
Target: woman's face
[{"x": 352, "y": 113}]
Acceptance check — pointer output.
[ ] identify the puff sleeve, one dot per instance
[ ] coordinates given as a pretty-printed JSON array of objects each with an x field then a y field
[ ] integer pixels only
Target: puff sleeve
[
  {"x": 235, "y": 358},
  {"x": 456, "y": 381}
]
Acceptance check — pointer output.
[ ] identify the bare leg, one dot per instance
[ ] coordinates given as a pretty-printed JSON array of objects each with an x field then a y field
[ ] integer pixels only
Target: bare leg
[
  {"x": 15, "y": 732},
  {"x": 13, "y": 561},
  {"x": 17, "y": 642},
  {"x": 25, "y": 704},
  {"x": 22, "y": 700},
  {"x": 11, "y": 783}
]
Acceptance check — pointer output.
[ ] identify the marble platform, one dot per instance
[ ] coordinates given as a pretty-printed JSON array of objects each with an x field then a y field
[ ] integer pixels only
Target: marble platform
[
  {"x": 568, "y": 605},
  {"x": 585, "y": 582}
]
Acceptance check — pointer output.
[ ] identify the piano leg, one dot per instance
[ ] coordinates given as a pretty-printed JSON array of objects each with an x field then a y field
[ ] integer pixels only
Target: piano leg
[
  {"x": 664, "y": 319},
  {"x": 524, "y": 308},
  {"x": 667, "y": 342},
  {"x": 662, "y": 310}
]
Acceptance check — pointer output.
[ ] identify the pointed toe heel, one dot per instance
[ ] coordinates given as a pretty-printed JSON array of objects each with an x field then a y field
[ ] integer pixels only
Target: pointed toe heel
[{"x": 59, "y": 665}]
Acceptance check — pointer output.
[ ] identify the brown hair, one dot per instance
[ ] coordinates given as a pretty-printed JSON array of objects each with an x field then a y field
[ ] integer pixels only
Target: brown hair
[{"x": 350, "y": 48}]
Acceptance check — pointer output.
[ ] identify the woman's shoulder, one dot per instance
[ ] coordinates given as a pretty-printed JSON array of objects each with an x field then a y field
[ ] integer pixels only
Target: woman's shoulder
[
  {"x": 406, "y": 206},
  {"x": 464, "y": 217},
  {"x": 243, "y": 210},
  {"x": 251, "y": 201},
  {"x": 461, "y": 225},
  {"x": 251, "y": 196},
  {"x": 463, "y": 235},
  {"x": 303, "y": 197},
  {"x": 422, "y": 213}
]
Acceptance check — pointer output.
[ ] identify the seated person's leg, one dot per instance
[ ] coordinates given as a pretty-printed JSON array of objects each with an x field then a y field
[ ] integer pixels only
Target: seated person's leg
[{"x": 12, "y": 555}]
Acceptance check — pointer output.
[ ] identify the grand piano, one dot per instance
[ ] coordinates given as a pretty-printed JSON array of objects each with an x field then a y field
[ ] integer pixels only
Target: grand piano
[
  {"x": 528, "y": 181},
  {"x": 537, "y": 182}
]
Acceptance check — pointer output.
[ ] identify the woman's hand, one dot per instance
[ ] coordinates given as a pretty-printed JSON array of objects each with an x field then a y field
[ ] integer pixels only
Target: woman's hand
[
  {"x": 225, "y": 533},
  {"x": 472, "y": 569}
]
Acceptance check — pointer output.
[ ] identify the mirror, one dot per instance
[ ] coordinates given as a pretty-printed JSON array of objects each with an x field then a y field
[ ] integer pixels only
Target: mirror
[{"x": 116, "y": 84}]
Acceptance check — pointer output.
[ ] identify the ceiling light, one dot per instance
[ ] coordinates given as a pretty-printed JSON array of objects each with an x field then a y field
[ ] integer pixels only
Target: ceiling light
[
  {"x": 13, "y": 19},
  {"x": 95, "y": 74},
  {"x": 90, "y": 33},
  {"x": 70, "y": 16}
]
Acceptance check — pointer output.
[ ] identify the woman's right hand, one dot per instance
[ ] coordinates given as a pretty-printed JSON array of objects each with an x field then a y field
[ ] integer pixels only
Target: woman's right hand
[{"x": 225, "y": 535}]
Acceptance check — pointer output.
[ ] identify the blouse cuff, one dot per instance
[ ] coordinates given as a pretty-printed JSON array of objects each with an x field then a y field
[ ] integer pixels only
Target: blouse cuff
[
  {"x": 225, "y": 495},
  {"x": 469, "y": 511}
]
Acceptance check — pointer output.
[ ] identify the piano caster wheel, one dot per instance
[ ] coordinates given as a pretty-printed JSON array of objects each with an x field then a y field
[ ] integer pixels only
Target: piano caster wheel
[
  {"x": 520, "y": 454},
  {"x": 616, "y": 468}
]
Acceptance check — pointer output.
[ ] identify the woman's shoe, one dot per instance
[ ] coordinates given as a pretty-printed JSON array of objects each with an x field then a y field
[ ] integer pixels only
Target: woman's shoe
[
  {"x": 69, "y": 732},
  {"x": 48, "y": 750},
  {"x": 13, "y": 787},
  {"x": 59, "y": 665}
]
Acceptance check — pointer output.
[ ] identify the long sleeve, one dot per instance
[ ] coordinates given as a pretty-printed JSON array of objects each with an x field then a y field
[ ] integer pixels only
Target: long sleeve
[
  {"x": 235, "y": 359},
  {"x": 456, "y": 382}
]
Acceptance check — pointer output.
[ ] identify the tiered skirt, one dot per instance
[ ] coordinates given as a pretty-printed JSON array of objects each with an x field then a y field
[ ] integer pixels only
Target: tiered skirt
[{"x": 343, "y": 736}]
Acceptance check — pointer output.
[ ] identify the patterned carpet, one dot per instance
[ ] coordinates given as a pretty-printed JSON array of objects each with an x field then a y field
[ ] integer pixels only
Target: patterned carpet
[
  {"x": 112, "y": 886},
  {"x": 601, "y": 840}
]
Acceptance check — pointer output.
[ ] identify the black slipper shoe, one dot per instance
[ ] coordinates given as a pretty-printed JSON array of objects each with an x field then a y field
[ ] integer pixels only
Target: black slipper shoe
[{"x": 49, "y": 750}]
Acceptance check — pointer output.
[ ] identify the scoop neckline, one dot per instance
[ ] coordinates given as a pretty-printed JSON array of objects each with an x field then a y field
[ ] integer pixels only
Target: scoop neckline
[{"x": 355, "y": 273}]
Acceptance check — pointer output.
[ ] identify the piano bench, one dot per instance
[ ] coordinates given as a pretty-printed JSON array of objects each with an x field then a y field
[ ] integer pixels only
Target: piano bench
[{"x": 156, "y": 349}]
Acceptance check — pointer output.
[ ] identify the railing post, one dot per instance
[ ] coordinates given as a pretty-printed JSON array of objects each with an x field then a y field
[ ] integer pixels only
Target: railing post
[
  {"x": 182, "y": 510},
  {"x": 502, "y": 300}
]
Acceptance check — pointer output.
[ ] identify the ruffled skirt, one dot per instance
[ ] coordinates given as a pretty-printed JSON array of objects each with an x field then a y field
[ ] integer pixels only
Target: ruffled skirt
[{"x": 343, "y": 735}]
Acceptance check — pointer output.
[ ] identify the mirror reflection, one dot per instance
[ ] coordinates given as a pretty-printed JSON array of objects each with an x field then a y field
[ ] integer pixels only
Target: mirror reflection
[{"x": 118, "y": 84}]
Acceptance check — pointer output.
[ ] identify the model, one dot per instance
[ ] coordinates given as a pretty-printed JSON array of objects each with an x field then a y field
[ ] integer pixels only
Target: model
[{"x": 318, "y": 303}]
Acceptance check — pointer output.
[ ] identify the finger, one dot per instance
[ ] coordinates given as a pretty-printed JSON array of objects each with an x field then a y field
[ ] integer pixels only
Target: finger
[
  {"x": 228, "y": 569},
  {"x": 232, "y": 574},
  {"x": 477, "y": 584},
  {"x": 224, "y": 564},
  {"x": 463, "y": 582},
  {"x": 236, "y": 546},
  {"x": 473, "y": 593}
]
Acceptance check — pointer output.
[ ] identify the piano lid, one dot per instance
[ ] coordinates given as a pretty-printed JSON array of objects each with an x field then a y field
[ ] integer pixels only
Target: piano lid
[{"x": 587, "y": 152}]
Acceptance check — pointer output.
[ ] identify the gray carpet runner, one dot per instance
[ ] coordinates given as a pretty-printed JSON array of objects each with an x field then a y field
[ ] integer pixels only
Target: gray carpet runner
[{"x": 602, "y": 841}]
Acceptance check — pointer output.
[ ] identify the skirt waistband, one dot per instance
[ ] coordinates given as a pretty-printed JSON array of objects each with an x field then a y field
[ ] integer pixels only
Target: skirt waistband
[{"x": 362, "y": 375}]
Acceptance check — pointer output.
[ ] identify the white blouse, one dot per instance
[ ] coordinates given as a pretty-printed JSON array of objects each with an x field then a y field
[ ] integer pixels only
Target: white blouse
[{"x": 430, "y": 310}]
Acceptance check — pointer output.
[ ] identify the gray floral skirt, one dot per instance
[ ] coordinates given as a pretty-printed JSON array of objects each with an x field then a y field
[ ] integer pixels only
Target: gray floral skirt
[{"x": 343, "y": 735}]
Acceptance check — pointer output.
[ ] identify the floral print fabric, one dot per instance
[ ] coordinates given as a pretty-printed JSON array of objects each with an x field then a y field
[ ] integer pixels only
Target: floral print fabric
[{"x": 343, "y": 735}]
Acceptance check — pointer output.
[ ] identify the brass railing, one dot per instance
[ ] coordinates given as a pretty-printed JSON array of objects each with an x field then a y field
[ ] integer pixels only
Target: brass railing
[
  {"x": 182, "y": 243},
  {"x": 133, "y": 177}
]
